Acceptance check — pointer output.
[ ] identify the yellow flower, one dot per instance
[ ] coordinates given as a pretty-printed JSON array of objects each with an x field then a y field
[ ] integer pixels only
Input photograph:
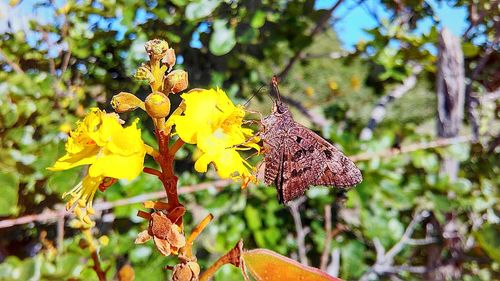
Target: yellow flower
[
  {"x": 101, "y": 142},
  {"x": 112, "y": 151},
  {"x": 214, "y": 123}
]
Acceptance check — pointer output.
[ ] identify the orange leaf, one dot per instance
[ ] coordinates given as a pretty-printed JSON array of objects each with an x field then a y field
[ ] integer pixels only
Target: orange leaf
[{"x": 266, "y": 265}]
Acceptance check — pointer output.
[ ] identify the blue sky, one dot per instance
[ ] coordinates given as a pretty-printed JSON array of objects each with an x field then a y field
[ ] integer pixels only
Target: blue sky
[{"x": 350, "y": 28}]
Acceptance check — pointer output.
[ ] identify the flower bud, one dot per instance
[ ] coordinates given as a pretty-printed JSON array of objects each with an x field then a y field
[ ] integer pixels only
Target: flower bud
[
  {"x": 156, "y": 49},
  {"x": 169, "y": 58},
  {"x": 176, "y": 81},
  {"x": 157, "y": 105},
  {"x": 124, "y": 102},
  {"x": 186, "y": 272},
  {"x": 144, "y": 73}
]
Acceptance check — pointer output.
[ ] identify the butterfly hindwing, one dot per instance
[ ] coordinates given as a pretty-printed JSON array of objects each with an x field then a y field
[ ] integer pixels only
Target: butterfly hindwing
[
  {"x": 299, "y": 168},
  {"x": 335, "y": 169}
]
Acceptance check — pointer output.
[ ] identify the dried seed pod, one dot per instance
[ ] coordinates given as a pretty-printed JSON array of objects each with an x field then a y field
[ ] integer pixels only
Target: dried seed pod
[
  {"x": 169, "y": 58},
  {"x": 188, "y": 271},
  {"x": 124, "y": 102},
  {"x": 156, "y": 49},
  {"x": 176, "y": 81}
]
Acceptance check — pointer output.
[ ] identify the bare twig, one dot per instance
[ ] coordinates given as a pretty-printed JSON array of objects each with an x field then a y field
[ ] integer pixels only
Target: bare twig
[
  {"x": 328, "y": 238},
  {"x": 11, "y": 63},
  {"x": 232, "y": 257},
  {"x": 60, "y": 233},
  {"x": 380, "y": 109},
  {"x": 301, "y": 231},
  {"x": 316, "y": 119},
  {"x": 50, "y": 215},
  {"x": 410, "y": 148},
  {"x": 384, "y": 261},
  {"x": 334, "y": 266},
  {"x": 331, "y": 55},
  {"x": 97, "y": 266}
]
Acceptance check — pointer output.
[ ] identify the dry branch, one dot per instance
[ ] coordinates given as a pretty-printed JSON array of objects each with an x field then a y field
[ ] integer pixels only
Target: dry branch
[
  {"x": 380, "y": 109},
  {"x": 301, "y": 231},
  {"x": 51, "y": 215},
  {"x": 11, "y": 63},
  {"x": 384, "y": 263}
]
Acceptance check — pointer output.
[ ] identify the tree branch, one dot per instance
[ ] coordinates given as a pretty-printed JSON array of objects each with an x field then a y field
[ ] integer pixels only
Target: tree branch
[
  {"x": 319, "y": 26},
  {"x": 50, "y": 215},
  {"x": 410, "y": 148},
  {"x": 301, "y": 231},
  {"x": 380, "y": 109},
  {"x": 316, "y": 119},
  {"x": 328, "y": 238},
  {"x": 11, "y": 63},
  {"x": 385, "y": 260}
]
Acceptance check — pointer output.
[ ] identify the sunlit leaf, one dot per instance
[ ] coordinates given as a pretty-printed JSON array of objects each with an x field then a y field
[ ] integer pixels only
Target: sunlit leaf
[
  {"x": 487, "y": 237},
  {"x": 200, "y": 9},
  {"x": 267, "y": 265},
  {"x": 223, "y": 39},
  {"x": 8, "y": 200}
]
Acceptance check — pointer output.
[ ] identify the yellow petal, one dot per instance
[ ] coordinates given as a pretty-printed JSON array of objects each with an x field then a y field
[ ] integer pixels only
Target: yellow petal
[
  {"x": 117, "y": 166},
  {"x": 68, "y": 161}
]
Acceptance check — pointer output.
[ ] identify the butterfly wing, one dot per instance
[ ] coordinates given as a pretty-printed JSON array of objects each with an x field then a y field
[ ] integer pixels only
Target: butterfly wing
[
  {"x": 272, "y": 158},
  {"x": 300, "y": 169},
  {"x": 311, "y": 160}
]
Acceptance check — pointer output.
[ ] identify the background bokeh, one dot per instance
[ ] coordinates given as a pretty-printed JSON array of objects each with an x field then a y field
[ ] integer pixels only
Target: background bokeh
[{"x": 338, "y": 60}]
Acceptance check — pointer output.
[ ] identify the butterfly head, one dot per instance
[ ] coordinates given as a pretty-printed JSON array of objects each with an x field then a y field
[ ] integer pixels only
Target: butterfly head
[{"x": 280, "y": 112}]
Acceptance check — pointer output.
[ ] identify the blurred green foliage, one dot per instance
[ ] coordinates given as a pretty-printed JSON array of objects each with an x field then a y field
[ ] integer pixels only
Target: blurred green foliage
[{"x": 88, "y": 52}]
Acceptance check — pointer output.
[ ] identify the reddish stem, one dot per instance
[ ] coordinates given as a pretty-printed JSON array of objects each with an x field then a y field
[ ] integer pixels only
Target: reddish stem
[
  {"x": 152, "y": 171},
  {"x": 97, "y": 266},
  {"x": 167, "y": 176}
]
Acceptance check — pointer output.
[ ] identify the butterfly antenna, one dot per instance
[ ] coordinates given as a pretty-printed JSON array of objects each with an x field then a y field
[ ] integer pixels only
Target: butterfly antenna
[
  {"x": 256, "y": 93},
  {"x": 274, "y": 88}
]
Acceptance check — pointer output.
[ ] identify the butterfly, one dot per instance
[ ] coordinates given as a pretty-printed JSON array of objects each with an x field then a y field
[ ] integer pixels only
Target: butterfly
[{"x": 295, "y": 157}]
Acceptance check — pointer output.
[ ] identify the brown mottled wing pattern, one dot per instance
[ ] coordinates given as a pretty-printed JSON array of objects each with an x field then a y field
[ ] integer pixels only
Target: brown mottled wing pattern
[
  {"x": 272, "y": 157},
  {"x": 300, "y": 168},
  {"x": 310, "y": 160}
]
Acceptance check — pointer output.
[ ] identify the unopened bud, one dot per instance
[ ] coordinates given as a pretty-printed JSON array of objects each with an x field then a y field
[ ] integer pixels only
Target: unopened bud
[
  {"x": 157, "y": 105},
  {"x": 186, "y": 272},
  {"x": 144, "y": 73},
  {"x": 124, "y": 102},
  {"x": 156, "y": 49},
  {"x": 169, "y": 58},
  {"x": 176, "y": 81}
]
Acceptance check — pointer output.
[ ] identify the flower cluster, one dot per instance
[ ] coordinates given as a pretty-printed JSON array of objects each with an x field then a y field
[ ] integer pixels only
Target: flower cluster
[{"x": 206, "y": 118}]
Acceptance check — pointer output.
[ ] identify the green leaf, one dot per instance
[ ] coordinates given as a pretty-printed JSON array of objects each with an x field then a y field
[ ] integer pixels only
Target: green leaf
[
  {"x": 469, "y": 49},
  {"x": 258, "y": 19},
  {"x": 487, "y": 237},
  {"x": 352, "y": 255},
  {"x": 10, "y": 186},
  {"x": 201, "y": 9},
  {"x": 461, "y": 186},
  {"x": 63, "y": 181},
  {"x": 253, "y": 218},
  {"x": 223, "y": 39}
]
